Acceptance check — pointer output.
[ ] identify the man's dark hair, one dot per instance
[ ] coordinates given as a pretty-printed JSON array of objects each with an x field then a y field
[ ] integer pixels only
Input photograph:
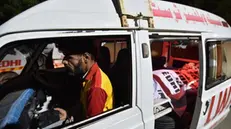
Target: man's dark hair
[{"x": 77, "y": 46}]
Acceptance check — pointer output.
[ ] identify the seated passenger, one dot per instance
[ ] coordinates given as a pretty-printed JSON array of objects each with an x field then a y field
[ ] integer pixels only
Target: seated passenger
[
  {"x": 104, "y": 60},
  {"x": 120, "y": 77},
  {"x": 97, "y": 93}
]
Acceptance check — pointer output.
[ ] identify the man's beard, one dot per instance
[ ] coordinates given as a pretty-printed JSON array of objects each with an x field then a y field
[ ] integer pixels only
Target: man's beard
[{"x": 76, "y": 71}]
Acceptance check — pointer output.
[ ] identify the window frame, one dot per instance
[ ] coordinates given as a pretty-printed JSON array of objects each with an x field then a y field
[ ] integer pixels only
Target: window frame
[
  {"x": 64, "y": 34},
  {"x": 220, "y": 80}
]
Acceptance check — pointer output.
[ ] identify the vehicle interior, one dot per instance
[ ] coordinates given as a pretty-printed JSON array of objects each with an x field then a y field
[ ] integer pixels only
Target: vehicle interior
[
  {"x": 41, "y": 86},
  {"x": 181, "y": 55}
]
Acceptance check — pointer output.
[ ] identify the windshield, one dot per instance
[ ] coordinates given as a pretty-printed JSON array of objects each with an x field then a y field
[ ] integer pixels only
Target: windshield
[{"x": 14, "y": 59}]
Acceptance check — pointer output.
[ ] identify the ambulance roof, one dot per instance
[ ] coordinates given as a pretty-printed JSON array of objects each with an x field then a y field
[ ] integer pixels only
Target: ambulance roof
[
  {"x": 77, "y": 14},
  {"x": 64, "y": 14}
]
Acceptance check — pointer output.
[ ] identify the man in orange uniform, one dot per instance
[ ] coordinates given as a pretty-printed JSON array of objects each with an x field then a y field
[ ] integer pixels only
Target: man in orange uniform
[{"x": 97, "y": 93}]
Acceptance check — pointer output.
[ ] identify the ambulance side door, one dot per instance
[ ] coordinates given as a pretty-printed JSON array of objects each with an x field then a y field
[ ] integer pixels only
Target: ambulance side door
[{"x": 214, "y": 94}]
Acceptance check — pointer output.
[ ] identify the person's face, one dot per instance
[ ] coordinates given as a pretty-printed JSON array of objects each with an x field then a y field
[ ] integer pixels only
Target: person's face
[{"x": 74, "y": 64}]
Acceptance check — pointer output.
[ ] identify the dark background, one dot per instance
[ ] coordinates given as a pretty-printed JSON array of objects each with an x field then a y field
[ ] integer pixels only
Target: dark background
[{"x": 10, "y": 8}]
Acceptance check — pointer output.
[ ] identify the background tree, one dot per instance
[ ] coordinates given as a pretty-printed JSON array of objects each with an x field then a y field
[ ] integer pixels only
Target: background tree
[{"x": 10, "y": 8}]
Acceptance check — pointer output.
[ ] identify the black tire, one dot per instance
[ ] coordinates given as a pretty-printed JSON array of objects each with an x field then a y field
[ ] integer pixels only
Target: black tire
[{"x": 165, "y": 122}]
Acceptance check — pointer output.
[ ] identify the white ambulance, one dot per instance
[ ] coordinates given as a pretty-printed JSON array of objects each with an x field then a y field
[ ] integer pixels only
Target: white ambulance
[{"x": 178, "y": 70}]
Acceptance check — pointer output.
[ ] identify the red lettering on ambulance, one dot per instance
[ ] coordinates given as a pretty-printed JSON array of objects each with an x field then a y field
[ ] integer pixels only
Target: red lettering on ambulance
[
  {"x": 210, "y": 111},
  {"x": 5, "y": 63},
  {"x": 222, "y": 104},
  {"x": 15, "y": 62},
  {"x": 8, "y": 63}
]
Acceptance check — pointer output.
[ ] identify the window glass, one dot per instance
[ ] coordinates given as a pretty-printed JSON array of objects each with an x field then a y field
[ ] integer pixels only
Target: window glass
[
  {"x": 217, "y": 62},
  {"x": 14, "y": 59},
  {"x": 114, "y": 48}
]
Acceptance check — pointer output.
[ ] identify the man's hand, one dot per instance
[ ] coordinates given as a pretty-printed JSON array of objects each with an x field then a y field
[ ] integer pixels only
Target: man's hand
[{"x": 62, "y": 113}]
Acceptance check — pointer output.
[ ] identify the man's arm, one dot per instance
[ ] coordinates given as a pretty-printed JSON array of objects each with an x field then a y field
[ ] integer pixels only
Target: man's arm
[
  {"x": 20, "y": 82},
  {"x": 76, "y": 112},
  {"x": 96, "y": 99}
]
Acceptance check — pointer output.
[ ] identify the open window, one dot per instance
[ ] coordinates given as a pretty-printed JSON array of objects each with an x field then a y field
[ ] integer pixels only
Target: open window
[
  {"x": 44, "y": 71},
  {"x": 14, "y": 58},
  {"x": 175, "y": 62}
]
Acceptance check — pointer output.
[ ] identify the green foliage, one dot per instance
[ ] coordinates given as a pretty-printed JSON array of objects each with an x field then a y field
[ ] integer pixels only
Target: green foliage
[{"x": 10, "y": 8}]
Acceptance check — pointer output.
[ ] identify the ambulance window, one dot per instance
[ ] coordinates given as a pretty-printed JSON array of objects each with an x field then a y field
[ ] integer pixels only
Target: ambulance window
[
  {"x": 174, "y": 53},
  {"x": 175, "y": 62},
  {"x": 113, "y": 56},
  {"x": 116, "y": 63},
  {"x": 114, "y": 48},
  {"x": 68, "y": 88},
  {"x": 14, "y": 59},
  {"x": 218, "y": 62}
]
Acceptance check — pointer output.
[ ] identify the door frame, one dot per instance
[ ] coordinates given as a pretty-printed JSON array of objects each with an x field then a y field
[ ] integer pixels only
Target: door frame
[{"x": 205, "y": 115}]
